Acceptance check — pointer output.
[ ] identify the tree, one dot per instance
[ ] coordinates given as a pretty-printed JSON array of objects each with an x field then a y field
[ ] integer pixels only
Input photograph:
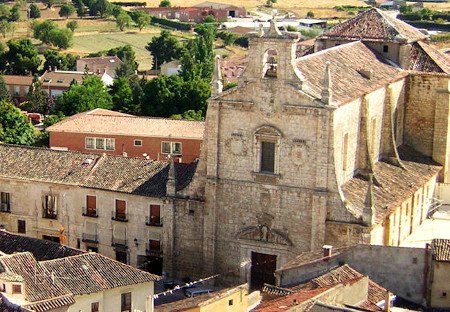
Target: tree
[
  {"x": 66, "y": 10},
  {"x": 122, "y": 96},
  {"x": 128, "y": 67},
  {"x": 37, "y": 97},
  {"x": 62, "y": 61},
  {"x": 72, "y": 25},
  {"x": 310, "y": 14},
  {"x": 97, "y": 7},
  {"x": 49, "y": 3},
  {"x": 189, "y": 115},
  {"x": 165, "y": 4},
  {"x": 209, "y": 19},
  {"x": 5, "y": 27},
  {"x": 61, "y": 38},
  {"x": 141, "y": 19},
  {"x": 116, "y": 10},
  {"x": 123, "y": 20},
  {"x": 164, "y": 48},
  {"x": 5, "y": 11},
  {"x": 22, "y": 57},
  {"x": 269, "y": 3},
  {"x": 34, "y": 11},
  {"x": 14, "y": 126},
  {"x": 15, "y": 13},
  {"x": 81, "y": 8},
  {"x": 91, "y": 94},
  {"x": 42, "y": 30},
  {"x": 4, "y": 90}
]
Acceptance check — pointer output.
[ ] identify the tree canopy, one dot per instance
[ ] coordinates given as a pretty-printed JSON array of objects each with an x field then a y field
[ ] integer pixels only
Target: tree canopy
[
  {"x": 37, "y": 98},
  {"x": 123, "y": 20},
  {"x": 14, "y": 126},
  {"x": 91, "y": 94},
  {"x": 34, "y": 11},
  {"x": 164, "y": 48},
  {"x": 21, "y": 58},
  {"x": 66, "y": 10}
]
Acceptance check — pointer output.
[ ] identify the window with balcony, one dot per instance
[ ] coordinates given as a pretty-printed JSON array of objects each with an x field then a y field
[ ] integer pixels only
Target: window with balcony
[
  {"x": 90, "y": 232},
  {"x": 173, "y": 148},
  {"x": 125, "y": 300},
  {"x": 119, "y": 235},
  {"x": 120, "y": 212},
  {"x": 5, "y": 202},
  {"x": 49, "y": 207},
  {"x": 91, "y": 206},
  {"x": 154, "y": 248},
  {"x": 154, "y": 217}
]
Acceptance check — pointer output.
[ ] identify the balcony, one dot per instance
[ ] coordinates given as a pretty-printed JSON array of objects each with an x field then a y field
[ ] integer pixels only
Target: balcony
[
  {"x": 153, "y": 221},
  {"x": 5, "y": 207},
  {"x": 90, "y": 212},
  {"x": 119, "y": 242},
  {"x": 49, "y": 214},
  {"x": 153, "y": 251},
  {"x": 119, "y": 216},
  {"x": 90, "y": 238}
]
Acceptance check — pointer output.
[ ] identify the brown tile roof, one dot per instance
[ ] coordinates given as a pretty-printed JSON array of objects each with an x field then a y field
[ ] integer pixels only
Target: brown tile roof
[
  {"x": 346, "y": 64},
  {"x": 41, "y": 249},
  {"x": 441, "y": 249},
  {"x": 39, "y": 285},
  {"x": 105, "y": 61},
  {"x": 61, "y": 78},
  {"x": 18, "y": 80},
  {"x": 112, "y": 173},
  {"x": 375, "y": 294},
  {"x": 374, "y": 25},
  {"x": 99, "y": 123},
  {"x": 397, "y": 184},
  {"x": 50, "y": 304},
  {"x": 342, "y": 275},
  {"x": 91, "y": 272},
  {"x": 425, "y": 58}
]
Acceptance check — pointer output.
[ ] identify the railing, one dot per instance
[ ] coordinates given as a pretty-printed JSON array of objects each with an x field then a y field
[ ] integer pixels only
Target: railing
[
  {"x": 152, "y": 251},
  {"x": 153, "y": 221},
  {"x": 433, "y": 205},
  {"x": 122, "y": 217},
  {"x": 90, "y": 238},
  {"x": 90, "y": 212},
  {"x": 49, "y": 215},
  {"x": 118, "y": 241},
  {"x": 5, "y": 207}
]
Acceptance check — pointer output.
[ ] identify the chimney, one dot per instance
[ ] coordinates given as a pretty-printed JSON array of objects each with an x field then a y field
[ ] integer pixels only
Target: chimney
[
  {"x": 327, "y": 250},
  {"x": 366, "y": 73}
]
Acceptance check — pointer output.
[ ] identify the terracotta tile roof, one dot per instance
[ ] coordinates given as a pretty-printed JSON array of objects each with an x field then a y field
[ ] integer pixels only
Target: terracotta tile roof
[
  {"x": 427, "y": 59},
  {"x": 39, "y": 285},
  {"x": 375, "y": 294},
  {"x": 397, "y": 184},
  {"x": 97, "y": 123},
  {"x": 441, "y": 249},
  {"x": 374, "y": 25},
  {"x": 113, "y": 173},
  {"x": 18, "y": 80},
  {"x": 40, "y": 248},
  {"x": 311, "y": 256},
  {"x": 347, "y": 63},
  {"x": 105, "y": 61},
  {"x": 342, "y": 275},
  {"x": 92, "y": 272},
  {"x": 61, "y": 78},
  {"x": 50, "y": 304}
]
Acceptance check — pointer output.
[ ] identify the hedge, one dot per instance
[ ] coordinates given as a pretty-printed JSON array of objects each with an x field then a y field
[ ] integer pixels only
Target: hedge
[
  {"x": 171, "y": 23},
  {"x": 130, "y": 4}
]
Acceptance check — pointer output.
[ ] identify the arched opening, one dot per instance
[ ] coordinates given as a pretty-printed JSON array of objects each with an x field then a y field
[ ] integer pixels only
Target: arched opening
[{"x": 270, "y": 63}]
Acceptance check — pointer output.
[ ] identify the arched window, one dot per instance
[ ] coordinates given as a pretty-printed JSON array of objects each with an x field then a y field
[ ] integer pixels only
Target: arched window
[
  {"x": 270, "y": 63},
  {"x": 267, "y": 140}
]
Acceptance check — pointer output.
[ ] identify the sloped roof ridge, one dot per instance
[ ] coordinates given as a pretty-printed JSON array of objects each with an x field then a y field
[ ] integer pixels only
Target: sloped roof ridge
[{"x": 326, "y": 51}]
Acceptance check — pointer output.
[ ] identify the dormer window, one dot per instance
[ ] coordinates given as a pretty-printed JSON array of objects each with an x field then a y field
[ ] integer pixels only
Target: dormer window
[{"x": 270, "y": 64}]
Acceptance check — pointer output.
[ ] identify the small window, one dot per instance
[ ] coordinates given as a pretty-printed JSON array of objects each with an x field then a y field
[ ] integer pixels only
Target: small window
[
  {"x": 21, "y": 227},
  {"x": 137, "y": 143},
  {"x": 90, "y": 143},
  {"x": 5, "y": 202},
  {"x": 16, "y": 90},
  {"x": 16, "y": 289},
  {"x": 385, "y": 49},
  {"x": 444, "y": 294},
  {"x": 268, "y": 157},
  {"x": 125, "y": 302},
  {"x": 100, "y": 143},
  {"x": 110, "y": 144},
  {"x": 3, "y": 288},
  {"x": 344, "y": 152},
  {"x": 171, "y": 148},
  {"x": 230, "y": 302},
  {"x": 94, "y": 307}
]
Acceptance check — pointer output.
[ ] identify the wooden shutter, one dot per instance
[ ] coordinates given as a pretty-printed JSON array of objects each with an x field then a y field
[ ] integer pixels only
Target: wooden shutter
[
  {"x": 155, "y": 214},
  {"x": 91, "y": 204},
  {"x": 121, "y": 208}
]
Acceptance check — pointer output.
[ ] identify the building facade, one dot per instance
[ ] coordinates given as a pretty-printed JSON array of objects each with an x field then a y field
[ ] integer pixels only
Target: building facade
[{"x": 114, "y": 133}]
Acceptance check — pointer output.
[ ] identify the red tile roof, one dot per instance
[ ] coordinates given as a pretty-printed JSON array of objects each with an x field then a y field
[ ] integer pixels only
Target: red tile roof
[
  {"x": 425, "y": 58},
  {"x": 18, "y": 80},
  {"x": 346, "y": 64},
  {"x": 374, "y": 25}
]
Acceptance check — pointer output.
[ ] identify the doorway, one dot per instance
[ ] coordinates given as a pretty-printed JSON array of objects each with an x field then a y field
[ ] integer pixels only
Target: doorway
[{"x": 262, "y": 270}]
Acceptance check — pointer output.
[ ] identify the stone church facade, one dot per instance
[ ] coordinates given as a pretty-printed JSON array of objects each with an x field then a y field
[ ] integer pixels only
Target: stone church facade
[{"x": 338, "y": 147}]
